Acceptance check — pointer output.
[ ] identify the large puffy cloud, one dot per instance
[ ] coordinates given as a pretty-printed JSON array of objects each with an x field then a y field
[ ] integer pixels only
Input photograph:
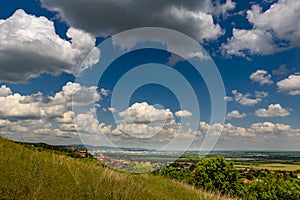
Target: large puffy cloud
[
  {"x": 262, "y": 77},
  {"x": 246, "y": 100},
  {"x": 145, "y": 113},
  {"x": 290, "y": 85},
  {"x": 274, "y": 30},
  {"x": 143, "y": 123},
  {"x": 136, "y": 130},
  {"x": 244, "y": 42},
  {"x": 35, "y": 118},
  {"x": 38, "y": 118},
  {"x": 144, "y": 120},
  {"x": 274, "y": 110},
  {"x": 104, "y": 18},
  {"x": 88, "y": 124},
  {"x": 14, "y": 106},
  {"x": 30, "y": 46},
  {"x": 281, "y": 18},
  {"x": 81, "y": 95},
  {"x": 37, "y": 106}
]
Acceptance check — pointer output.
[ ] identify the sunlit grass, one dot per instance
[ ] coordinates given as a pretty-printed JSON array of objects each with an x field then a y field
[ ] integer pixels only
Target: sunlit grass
[{"x": 30, "y": 174}]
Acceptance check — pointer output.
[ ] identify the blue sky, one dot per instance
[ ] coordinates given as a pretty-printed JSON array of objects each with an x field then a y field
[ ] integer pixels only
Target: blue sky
[{"x": 47, "y": 47}]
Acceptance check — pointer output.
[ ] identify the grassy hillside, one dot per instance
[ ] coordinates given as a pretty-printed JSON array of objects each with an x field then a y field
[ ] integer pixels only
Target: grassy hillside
[{"x": 30, "y": 174}]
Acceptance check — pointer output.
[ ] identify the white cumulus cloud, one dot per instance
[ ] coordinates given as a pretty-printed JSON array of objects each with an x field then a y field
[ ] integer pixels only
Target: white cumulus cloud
[
  {"x": 47, "y": 119},
  {"x": 235, "y": 114},
  {"x": 30, "y": 46},
  {"x": 244, "y": 42},
  {"x": 274, "y": 30},
  {"x": 290, "y": 85},
  {"x": 247, "y": 100},
  {"x": 145, "y": 113},
  {"x": 262, "y": 77},
  {"x": 262, "y": 128},
  {"x": 274, "y": 110}
]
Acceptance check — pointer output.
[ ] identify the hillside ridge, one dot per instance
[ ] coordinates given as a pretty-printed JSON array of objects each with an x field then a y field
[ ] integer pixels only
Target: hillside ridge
[{"x": 28, "y": 173}]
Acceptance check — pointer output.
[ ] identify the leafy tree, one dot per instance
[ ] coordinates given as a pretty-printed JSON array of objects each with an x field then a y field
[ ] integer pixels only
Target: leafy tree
[
  {"x": 217, "y": 174},
  {"x": 220, "y": 175},
  {"x": 171, "y": 172},
  {"x": 271, "y": 187}
]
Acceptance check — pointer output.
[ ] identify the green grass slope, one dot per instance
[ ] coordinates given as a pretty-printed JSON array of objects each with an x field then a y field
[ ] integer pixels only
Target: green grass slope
[{"x": 30, "y": 174}]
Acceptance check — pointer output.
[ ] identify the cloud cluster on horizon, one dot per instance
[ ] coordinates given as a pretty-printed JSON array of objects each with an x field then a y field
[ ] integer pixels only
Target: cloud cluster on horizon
[
  {"x": 37, "y": 118},
  {"x": 51, "y": 119}
]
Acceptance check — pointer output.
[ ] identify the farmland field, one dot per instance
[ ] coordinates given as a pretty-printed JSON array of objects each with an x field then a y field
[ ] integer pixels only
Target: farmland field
[{"x": 270, "y": 166}]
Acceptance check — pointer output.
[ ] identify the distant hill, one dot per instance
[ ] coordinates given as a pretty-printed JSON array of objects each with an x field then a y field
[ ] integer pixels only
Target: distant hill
[{"x": 28, "y": 173}]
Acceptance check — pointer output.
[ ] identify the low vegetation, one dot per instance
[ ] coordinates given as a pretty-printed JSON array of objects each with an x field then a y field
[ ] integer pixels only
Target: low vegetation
[
  {"x": 221, "y": 176},
  {"x": 29, "y": 173}
]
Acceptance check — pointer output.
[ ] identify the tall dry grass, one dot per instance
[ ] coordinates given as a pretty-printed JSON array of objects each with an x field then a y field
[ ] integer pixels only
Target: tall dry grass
[{"x": 30, "y": 174}]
